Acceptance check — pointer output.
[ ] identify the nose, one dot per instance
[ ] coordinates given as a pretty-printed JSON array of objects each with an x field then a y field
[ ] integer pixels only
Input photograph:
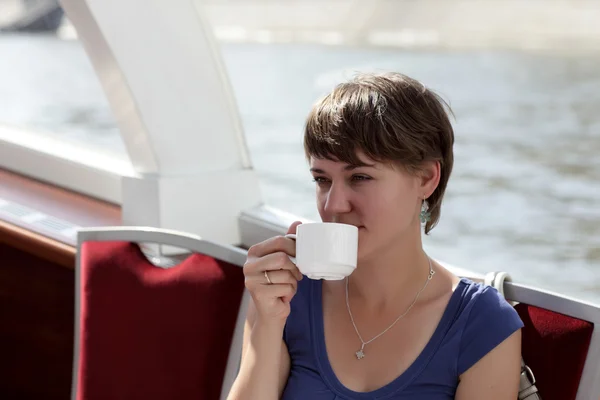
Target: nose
[{"x": 337, "y": 200}]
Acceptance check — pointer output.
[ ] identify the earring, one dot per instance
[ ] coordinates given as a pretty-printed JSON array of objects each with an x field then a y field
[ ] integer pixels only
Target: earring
[{"x": 425, "y": 215}]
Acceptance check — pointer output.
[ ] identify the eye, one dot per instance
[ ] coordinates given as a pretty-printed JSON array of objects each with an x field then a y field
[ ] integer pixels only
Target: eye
[
  {"x": 320, "y": 180},
  {"x": 360, "y": 178}
]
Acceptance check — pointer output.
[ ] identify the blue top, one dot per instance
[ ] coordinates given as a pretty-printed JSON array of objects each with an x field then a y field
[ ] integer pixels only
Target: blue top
[{"x": 475, "y": 321}]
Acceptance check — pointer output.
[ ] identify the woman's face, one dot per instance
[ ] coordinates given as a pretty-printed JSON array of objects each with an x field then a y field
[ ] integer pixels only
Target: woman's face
[{"x": 381, "y": 200}]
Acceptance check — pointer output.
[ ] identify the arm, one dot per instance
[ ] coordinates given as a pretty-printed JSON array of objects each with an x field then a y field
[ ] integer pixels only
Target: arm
[
  {"x": 265, "y": 362},
  {"x": 496, "y": 375},
  {"x": 264, "y": 356}
]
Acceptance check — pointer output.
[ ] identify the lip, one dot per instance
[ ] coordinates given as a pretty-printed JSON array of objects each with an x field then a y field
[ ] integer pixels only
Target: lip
[
  {"x": 358, "y": 226},
  {"x": 347, "y": 223}
]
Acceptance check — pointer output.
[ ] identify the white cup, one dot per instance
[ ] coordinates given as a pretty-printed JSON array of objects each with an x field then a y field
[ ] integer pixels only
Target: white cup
[{"x": 326, "y": 250}]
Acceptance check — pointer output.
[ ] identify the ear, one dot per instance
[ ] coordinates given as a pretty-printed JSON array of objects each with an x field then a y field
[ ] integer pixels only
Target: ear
[{"x": 429, "y": 177}]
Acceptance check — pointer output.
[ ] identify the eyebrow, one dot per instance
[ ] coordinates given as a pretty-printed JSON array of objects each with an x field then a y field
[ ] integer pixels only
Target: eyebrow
[{"x": 346, "y": 168}]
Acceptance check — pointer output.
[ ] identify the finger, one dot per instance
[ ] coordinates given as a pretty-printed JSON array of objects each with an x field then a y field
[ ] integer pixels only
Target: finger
[
  {"x": 293, "y": 226},
  {"x": 284, "y": 291},
  {"x": 261, "y": 290},
  {"x": 279, "y": 277},
  {"x": 271, "y": 262},
  {"x": 272, "y": 245}
]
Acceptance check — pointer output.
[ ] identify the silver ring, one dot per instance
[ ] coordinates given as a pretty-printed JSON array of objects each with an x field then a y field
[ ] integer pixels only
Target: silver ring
[{"x": 267, "y": 276}]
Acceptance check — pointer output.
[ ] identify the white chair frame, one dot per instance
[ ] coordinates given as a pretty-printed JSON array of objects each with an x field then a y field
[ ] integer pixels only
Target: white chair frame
[
  {"x": 193, "y": 243},
  {"x": 589, "y": 384}
]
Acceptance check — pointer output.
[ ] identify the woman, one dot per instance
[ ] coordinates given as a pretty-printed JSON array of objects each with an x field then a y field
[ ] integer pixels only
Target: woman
[{"x": 401, "y": 326}]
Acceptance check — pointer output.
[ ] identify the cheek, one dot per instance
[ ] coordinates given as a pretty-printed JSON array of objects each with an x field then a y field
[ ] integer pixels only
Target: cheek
[
  {"x": 321, "y": 199},
  {"x": 390, "y": 211}
]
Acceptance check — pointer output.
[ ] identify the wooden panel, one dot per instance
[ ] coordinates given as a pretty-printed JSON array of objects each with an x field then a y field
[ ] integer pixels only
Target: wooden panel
[
  {"x": 33, "y": 243},
  {"x": 75, "y": 208},
  {"x": 61, "y": 203},
  {"x": 36, "y": 326},
  {"x": 37, "y": 289}
]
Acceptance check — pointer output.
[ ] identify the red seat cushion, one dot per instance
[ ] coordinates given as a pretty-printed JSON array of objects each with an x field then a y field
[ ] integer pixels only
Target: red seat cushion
[
  {"x": 555, "y": 347},
  {"x": 154, "y": 333}
]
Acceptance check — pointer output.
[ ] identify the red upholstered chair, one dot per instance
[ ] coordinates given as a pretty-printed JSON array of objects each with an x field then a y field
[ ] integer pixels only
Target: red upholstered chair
[
  {"x": 561, "y": 342},
  {"x": 148, "y": 332}
]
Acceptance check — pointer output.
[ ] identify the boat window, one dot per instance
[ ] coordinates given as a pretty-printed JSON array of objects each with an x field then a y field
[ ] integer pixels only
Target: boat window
[{"x": 49, "y": 88}]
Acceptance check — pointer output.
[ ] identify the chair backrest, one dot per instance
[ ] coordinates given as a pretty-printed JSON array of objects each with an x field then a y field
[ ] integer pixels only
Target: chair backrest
[
  {"x": 143, "y": 331},
  {"x": 561, "y": 342}
]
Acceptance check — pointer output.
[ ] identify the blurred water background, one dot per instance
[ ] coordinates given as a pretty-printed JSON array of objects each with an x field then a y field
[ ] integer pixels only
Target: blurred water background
[{"x": 524, "y": 195}]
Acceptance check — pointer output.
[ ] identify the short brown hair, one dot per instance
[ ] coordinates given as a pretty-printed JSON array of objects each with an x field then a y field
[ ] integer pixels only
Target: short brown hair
[{"x": 391, "y": 118}]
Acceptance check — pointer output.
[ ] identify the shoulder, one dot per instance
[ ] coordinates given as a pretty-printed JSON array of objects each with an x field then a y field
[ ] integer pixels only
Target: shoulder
[
  {"x": 487, "y": 320},
  {"x": 477, "y": 296}
]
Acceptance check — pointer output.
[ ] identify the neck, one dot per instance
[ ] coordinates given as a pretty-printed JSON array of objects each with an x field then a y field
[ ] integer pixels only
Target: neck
[{"x": 396, "y": 274}]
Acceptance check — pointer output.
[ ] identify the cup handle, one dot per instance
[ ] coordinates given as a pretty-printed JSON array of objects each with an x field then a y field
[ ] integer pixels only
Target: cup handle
[{"x": 293, "y": 237}]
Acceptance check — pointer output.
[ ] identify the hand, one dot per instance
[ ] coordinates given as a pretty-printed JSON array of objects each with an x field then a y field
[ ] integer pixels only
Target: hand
[{"x": 272, "y": 300}]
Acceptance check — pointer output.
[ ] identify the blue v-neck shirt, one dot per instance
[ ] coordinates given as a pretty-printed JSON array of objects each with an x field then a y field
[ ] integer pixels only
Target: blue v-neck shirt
[{"x": 476, "y": 319}]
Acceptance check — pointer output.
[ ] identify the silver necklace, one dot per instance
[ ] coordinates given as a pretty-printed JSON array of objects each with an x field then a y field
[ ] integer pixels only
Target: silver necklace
[{"x": 360, "y": 354}]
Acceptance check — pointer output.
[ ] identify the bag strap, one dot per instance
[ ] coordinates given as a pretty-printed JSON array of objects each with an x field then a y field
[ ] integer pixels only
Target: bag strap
[{"x": 527, "y": 388}]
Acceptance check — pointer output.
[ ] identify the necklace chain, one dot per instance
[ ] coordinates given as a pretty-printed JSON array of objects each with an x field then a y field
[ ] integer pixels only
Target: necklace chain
[{"x": 360, "y": 353}]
